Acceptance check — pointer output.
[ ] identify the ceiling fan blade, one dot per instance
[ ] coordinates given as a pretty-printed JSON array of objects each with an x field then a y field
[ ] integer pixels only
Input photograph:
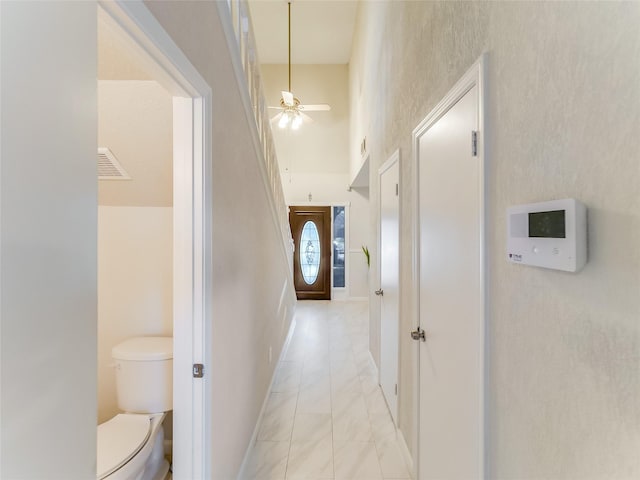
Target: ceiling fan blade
[
  {"x": 288, "y": 98},
  {"x": 306, "y": 118},
  {"x": 276, "y": 108},
  {"x": 322, "y": 107}
]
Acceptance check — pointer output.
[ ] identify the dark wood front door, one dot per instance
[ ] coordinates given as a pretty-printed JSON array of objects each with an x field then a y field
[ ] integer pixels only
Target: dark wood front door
[{"x": 311, "y": 231}]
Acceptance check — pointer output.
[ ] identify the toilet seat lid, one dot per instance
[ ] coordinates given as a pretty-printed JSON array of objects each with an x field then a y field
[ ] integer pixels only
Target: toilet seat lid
[{"x": 119, "y": 440}]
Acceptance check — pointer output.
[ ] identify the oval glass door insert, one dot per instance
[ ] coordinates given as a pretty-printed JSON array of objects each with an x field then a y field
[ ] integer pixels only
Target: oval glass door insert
[{"x": 310, "y": 253}]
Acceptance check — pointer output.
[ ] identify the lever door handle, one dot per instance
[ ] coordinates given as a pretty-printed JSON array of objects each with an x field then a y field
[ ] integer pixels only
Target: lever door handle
[
  {"x": 419, "y": 334},
  {"x": 379, "y": 292}
]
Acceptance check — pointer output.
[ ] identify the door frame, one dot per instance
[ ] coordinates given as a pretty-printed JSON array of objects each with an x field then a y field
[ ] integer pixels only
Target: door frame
[
  {"x": 192, "y": 227},
  {"x": 390, "y": 162},
  {"x": 475, "y": 76}
]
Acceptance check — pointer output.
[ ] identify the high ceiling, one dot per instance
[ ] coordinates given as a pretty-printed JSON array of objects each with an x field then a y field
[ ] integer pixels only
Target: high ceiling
[{"x": 321, "y": 30}]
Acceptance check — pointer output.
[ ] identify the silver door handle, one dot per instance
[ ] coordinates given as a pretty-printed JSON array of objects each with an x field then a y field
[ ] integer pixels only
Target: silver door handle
[
  {"x": 419, "y": 334},
  {"x": 379, "y": 292}
]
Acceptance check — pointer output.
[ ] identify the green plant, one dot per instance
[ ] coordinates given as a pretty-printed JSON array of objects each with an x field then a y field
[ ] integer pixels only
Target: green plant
[{"x": 366, "y": 254}]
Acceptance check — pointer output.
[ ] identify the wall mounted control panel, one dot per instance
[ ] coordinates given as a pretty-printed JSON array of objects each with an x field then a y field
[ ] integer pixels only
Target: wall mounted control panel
[{"x": 548, "y": 234}]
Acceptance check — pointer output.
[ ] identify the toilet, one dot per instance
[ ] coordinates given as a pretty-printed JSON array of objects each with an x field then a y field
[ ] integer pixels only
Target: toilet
[{"x": 131, "y": 444}]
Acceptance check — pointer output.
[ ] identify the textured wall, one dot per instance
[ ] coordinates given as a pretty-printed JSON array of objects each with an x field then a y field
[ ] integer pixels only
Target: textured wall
[
  {"x": 253, "y": 299},
  {"x": 562, "y": 121}
]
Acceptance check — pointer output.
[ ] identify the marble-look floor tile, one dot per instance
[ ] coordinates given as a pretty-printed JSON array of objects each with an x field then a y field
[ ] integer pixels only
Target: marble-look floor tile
[
  {"x": 287, "y": 377},
  {"x": 376, "y": 402},
  {"x": 314, "y": 370},
  {"x": 345, "y": 383},
  {"x": 312, "y": 427},
  {"x": 268, "y": 461},
  {"x": 365, "y": 365},
  {"x": 382, "y": 426},
  {"x": 276, "y": 428},
  {"x": 309, "y": 460},
  {"x": 356, "y": 461},
  {"x": 315, "y": 397},
  {"x": 347, "y": 402},
  {"x": 339, "y": 341},
  {"x": 360, "y": 347},
  {"x": 345, "y": 368},
  {"x": 294, "y": 354},
  {"x": 282, "y": 403},
  {"x": 324, "y": 419},
  {"x": 369, "y": 384},
  {"x": 390, "y": 457},
  {"x": 277, "y": 421},
  {"x": 351, "y": 425}
]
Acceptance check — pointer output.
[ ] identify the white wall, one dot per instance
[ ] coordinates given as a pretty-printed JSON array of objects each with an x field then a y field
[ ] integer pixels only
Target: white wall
[
  {"x": 563, "y": 116},
  {"x": 253, "y": 298},
  {"x": 48, "y": 240},
  {"x": 135, "y": 285}
]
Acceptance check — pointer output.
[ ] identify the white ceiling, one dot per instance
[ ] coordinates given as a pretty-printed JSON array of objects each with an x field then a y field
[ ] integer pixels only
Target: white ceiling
[{"x": 321, "y": 30}]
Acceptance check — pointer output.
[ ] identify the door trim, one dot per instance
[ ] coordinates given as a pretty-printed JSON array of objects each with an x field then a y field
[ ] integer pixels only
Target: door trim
[
  {"x": 475, "y": 76},
  {"x": 390, "y": 162},
  {"x": 192, "y": 226}
]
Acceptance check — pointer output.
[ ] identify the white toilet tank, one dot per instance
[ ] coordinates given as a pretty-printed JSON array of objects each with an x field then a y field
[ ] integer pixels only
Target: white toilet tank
[{"x": 144, "y": 374}]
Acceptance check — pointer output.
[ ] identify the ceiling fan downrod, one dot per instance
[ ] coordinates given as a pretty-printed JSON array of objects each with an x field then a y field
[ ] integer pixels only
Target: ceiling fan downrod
[{"x": 289, "y": 42}]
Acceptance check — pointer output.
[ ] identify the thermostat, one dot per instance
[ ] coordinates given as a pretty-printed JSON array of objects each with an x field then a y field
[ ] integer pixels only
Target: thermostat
[{"x": 548, "y": 234}]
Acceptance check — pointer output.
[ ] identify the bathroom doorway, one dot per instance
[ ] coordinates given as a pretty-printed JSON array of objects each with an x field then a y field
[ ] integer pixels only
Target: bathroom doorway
[{"x": 176, "y": 229}]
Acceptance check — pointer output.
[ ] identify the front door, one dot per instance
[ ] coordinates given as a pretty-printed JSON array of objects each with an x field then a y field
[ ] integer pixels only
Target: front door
[
  {"x": 311, "y": 231},
  {"x": 451, "y": 294}
]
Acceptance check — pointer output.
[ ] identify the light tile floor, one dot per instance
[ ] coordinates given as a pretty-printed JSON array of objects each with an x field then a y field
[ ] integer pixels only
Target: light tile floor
[{"x": 326, "y": 417}]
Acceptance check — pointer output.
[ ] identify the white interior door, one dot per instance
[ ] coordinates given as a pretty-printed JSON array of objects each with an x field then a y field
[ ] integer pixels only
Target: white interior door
[
  {"x": 389, "y": 299},
  {"x": 451, "y": 294}
]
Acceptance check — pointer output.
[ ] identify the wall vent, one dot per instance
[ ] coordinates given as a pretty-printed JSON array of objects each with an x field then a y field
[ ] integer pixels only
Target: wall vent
[{"x": 108, "y": 166}]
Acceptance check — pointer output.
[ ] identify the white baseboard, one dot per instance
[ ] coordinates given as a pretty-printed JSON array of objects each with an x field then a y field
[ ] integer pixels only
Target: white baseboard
[
  {"x": 254, "y": 436},
  {"x": 406, "y": 454}
]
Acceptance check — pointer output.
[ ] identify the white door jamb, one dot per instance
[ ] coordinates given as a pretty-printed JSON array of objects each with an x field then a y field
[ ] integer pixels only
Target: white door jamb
[{"x": 391, "y": 161}]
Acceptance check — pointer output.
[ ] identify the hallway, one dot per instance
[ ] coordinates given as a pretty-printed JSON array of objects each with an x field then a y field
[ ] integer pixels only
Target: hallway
[{"x": 326, "y": 417}]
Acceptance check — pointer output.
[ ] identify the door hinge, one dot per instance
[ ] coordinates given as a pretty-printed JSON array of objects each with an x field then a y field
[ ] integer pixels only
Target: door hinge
[
  {"x": 397, "y": 189},
  {"x": 396, "y": 389},
  {"x": 474, "y": 144},
  {"x": 198, "y": 370}
]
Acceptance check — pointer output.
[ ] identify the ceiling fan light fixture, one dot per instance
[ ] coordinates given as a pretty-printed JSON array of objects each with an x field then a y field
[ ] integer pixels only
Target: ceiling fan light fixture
[
  {"x": 284, "y": 120},
  {"x": 292, "y": 115},
  {"x": 296, "y": 122}
]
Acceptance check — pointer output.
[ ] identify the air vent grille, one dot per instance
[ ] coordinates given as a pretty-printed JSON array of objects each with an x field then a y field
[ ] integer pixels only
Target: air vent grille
[{"x": 108, "y": 166}]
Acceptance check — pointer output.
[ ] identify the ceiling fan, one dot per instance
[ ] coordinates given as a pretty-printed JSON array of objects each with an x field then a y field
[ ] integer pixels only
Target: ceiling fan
[{"x": 292, "y": 114}]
